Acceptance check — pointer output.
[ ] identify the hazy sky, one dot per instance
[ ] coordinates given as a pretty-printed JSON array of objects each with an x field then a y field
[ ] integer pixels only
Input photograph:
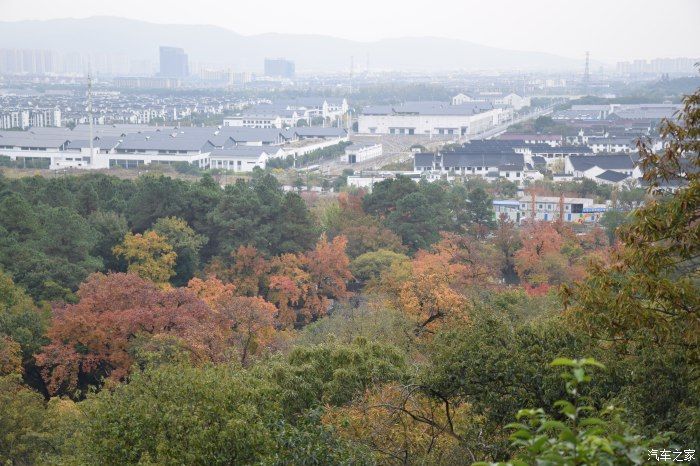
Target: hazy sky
[{"x": 610, "y": 29}]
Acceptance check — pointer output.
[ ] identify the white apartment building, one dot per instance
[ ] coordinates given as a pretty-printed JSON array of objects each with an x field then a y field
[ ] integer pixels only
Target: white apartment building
[
  {"x": 10, "y": 119},
  {"x": 35, "y": 117}
]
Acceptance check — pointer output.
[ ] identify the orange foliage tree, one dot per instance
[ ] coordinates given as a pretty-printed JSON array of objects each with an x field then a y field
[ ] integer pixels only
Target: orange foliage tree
[
  {"x": 540, "y": 262},
  {"x": 92, "y": 339},
  {"x": 552, "y": 255},
  {"x": 247, "y": 271},
  {"x": 252, "y": 320},
  {"x": 301, "y": 286},
  {"x": 290, "y": 285},
  {"x": 363, "y": 232},
  {"x": 438, "y": 283}
]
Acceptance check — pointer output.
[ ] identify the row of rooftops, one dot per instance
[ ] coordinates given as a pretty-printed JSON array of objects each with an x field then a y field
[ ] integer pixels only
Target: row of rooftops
[
  {"x": 290, "y": 108},
  {"x": 605, "y": 162},
  {"x": 454, "y": 159},
  {"x": 507, "y": 156},
  {"x": 517, "y": 145},
  {"x": 618, "y": 111},
  {"x": 149, "y": 138}
]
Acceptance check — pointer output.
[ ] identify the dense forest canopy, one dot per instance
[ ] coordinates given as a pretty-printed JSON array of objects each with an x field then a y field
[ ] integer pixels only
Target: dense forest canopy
[{"x": 160, "y": 321}]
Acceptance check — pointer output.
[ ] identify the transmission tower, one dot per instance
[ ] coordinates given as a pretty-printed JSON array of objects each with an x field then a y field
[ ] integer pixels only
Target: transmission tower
[
  {"x": 587, "y": 74},
  {"x": 89, "y": 96}
]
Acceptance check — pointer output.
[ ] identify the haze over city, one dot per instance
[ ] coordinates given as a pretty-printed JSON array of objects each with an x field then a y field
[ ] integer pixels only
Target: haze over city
[
  {"x": 361, "y": 233},
  {"x": 610, "y": 30}
]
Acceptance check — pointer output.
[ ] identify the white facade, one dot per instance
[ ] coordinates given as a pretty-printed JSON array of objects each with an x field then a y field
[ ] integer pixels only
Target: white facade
[
  {"x": 460, "y": 99},
  {"x": 409, "y": 124},
  {"x": 513, "y": 100},
  {"x": 238, "y": 161},
  {"x": 254, "y": 121},
  {"x": 24, "y": 118},
  {"x": 547, "y": 208},
  {"x": 600, "y": 164},
  {"x": 610, "y": 146},
  {"x": 357, "y": 153}
]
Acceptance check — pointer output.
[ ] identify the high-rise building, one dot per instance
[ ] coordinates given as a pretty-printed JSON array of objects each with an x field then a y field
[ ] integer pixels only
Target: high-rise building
[
  {"x": 279, "y": 67},
  {"x": 173, "y": 62}
]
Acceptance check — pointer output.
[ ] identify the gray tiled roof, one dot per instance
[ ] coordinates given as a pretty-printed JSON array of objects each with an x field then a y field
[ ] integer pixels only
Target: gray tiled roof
[
  {"x": 606, "y": 162},
  {"x": 612, "y": 176}
]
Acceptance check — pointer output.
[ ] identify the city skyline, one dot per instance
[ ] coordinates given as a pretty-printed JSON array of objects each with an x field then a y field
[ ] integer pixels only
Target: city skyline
[{"x": 610, "y": 31}]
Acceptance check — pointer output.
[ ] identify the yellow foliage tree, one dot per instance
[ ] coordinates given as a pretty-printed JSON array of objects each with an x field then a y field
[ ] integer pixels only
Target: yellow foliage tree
[
  {"x": 10, "y": 356},
  {"x": 402, "y": 425},
  {"x": 149, "y": 256}
]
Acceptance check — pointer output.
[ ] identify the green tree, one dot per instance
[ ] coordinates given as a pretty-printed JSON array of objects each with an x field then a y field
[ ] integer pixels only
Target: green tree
[
  {"x": 21, "y": 423},
  {"x": 480, "y": 212},
  {"x": 334, "y": 373},
  {"x": 611, "y": 221},
  {"x": 111, "y": 227},
  {"x": 585, "y": 436},
  {"x": 20, "y": 319},
  {"x": 156, "y": 196},
  {"x": 370, "y": 265},
  {"x": 258, "y": 213},
  {"x": 414, "y": 221},
  {"x": 211, "y": 415},
  {"x": 645, "y": 296},
  {"x": 385, "y": 195},
  {"x": 496, "y": 367},
  {"x": 185, "y": 243}
]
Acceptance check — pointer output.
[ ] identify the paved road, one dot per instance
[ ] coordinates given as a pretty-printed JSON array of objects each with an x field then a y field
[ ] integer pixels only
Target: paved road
[{"x": 502, "y": 128}]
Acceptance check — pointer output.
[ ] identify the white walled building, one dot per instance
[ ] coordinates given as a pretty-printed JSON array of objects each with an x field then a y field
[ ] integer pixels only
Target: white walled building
[
  {"x": 549, "y": 208},
  {"x": 511, "y": 99},
  {"x": 132, "y": 146},
  {"x": 612, "y": 145},
  {"x": 357, "y": 153},
  {"x": 460, "y": 99},
  {"x": 254, "y": 120},
  {"x": 595, "y": 168},
  {"x": 429, "y": 118},
  {"x": 510, "y": 166},
  {"x": 239, "y": 158}
]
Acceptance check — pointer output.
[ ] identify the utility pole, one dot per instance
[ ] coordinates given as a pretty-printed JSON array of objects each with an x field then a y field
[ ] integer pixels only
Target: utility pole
[
  {"x": 586, "y": 74},
  {"x": 89, "y": 96},
  {"x": 561, "y": 207}
]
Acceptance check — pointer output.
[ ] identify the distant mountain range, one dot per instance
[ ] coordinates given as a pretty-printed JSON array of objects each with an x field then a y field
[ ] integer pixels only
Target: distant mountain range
[{"x": 139, "y": 40}]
